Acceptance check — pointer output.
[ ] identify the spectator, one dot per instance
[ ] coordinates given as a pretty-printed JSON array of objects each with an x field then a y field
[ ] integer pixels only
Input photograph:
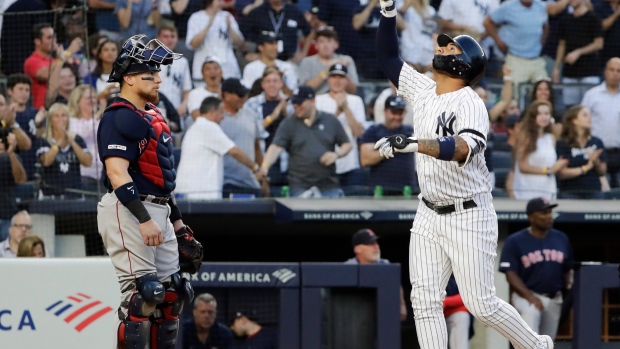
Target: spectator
[
  {"x": 418, "y": 39},
  {"x": 585, "y": 154},
  {"x": 201, "y": 168},
  {"x": 20, "y": 227},
  {"x": 466, "y": 17},
  {"x": 241, "y": 125},
  {"x": 366, "y": 16},
  {"x": 268, "y": 49},
  {"x": 393, "y": 175},
  {"x": 603, "y": 101},
  {"x": 181, "y": 11},
  {"x": 312, "y": 17},
  {"x": 367, "y": 251},
  {"x": 38, "y": 66},
  {"x": 85, "y": 112},
  {"x": 581, "y": 37},
  {"x": 11, "y": 173},
  {"x": 60, "y": 89},
  {"x": 536, "y": 159},
  {"x": 87, "y": 67},
  {"x": 250, "y": 334},
  {"x": 338, "y": 15},
  {"x": 272, "y": 108},
  {"x": 8, "y": 120},
  {"x": 314, "y": 70},
  {"x": 28, "y": 118},
  {"x": 609, "y": 11},
  {"x": 176, "y": 81},
  {"x": 379, "y": 106},
  {"x": 312, "y": 168},
  {"x": 212, "y": 77},
  {"x": 203, "y": 331},
  {"x": 61, "y": 152},
  {"x": 537, "y": 262},
  {"x": 543, "y": 90},
  {"x": 31, "y": 246},
  {"x": 106, "y": 55},
  {"x": 137, "y": 16},
  {"x": 106, "y": 22},
  {"x": 351, "y": 112},
  {"x": 459, "y": 322},
  {"x": 555, "y": 8},
  {"x": 517, "y": 20},
  {"x": 286, "y": 21},
  {"x": 213, "y": 32}
]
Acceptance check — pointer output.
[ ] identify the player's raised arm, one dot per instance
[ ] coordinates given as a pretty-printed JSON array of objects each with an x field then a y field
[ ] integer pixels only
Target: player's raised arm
[{"x": 387, "y": 42}]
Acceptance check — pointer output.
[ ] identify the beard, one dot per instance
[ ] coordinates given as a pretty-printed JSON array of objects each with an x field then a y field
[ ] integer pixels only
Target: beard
[{"x": 152, "y": 96}]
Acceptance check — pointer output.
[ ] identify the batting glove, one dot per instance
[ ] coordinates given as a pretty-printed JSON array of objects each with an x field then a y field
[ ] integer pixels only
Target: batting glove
[
  {"x": 397, "y": 143},
  {"x": 388, "y": 8}
]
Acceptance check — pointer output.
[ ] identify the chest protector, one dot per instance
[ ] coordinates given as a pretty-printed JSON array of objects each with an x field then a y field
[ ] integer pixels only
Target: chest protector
[{"x": 156, "y": 161}]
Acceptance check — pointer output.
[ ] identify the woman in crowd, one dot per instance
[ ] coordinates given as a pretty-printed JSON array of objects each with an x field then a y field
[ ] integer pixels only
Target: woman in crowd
[
  {"x": 543, "y": 91},
  {"x": 106, "y": 55},
  {"x": 584, "y": 177},
  {"x": 31, "y": 246},
  {"x": 87, "y": 67},
  {"x": 85, "y": 112},
  {"x": 61, "y": 152},
  {"x": 536, "y": 159}
]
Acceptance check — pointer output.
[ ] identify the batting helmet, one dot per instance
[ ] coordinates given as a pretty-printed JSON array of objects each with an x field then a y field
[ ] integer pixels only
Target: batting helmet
[
  {"x": 469, "y": 65},
  {"x": 139, "y": 55}
]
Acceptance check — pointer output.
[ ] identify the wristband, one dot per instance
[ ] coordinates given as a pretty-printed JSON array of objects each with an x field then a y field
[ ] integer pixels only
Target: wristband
[
  {"x": 323, "y": 74},
  {"x": 447, "y": 147},
  {"x": 175, "y": 213},
  {"x": 546, "y": 171},
  {"x": 136, "y": 207},
  {"x": 55, "y": 147},
  {"x": 269, "y": 119},
  {"x": 584, "y": 169}
]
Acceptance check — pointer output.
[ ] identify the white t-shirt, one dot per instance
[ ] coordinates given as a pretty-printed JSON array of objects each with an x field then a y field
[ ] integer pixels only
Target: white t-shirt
[
  {"x": 196, "y": 96},
  {"x": 87, "y": 129},
  {"x": 175, "y": 79},
  {"x": 217, "y": 43},
  {"x": 254, "y": 70},
  {"x": 416, "y": 44},
  {"x": 200, "y": 175},
  {"x": 102, "y": 84},
  {"x": 327, "y": 104},
  {"x": 470, "y": 13}
]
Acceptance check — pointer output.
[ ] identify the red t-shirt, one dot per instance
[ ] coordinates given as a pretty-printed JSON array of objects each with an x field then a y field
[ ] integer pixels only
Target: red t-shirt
[{"x": 32, "y": 65}]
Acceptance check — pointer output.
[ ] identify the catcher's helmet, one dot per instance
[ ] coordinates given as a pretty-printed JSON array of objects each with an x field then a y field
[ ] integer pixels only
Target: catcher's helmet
[
  {"x": 139, "y": 55},
  {"x": 469, "y": 65}
]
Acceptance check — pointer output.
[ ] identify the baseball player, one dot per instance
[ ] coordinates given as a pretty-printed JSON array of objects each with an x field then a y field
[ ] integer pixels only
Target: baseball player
[
  {"x": 537, "y": 262},
  {"x": 138, "y": 217},
  {"x": 455, "y": 228}
]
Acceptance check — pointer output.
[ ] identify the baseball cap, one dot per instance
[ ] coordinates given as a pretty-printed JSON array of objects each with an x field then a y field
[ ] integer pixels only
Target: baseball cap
[
  {"x": 364, "y": 237},
  {"x": 338, "y": 69},
  {"x": 234, "y": 85},
  {"x": 248, "y": 313},
  {"x": 301, "y": 94},
  {"x": 395, "y": 102},
  {"x": 538, "y": 204},
  {"x": 210, "y": 59},
  {"x": 511, "y": 120},
  {"x": 266, "y": 36}
]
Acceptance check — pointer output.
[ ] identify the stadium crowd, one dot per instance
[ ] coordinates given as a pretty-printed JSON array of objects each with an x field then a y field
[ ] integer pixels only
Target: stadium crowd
[{"x": 277, "y": 98}]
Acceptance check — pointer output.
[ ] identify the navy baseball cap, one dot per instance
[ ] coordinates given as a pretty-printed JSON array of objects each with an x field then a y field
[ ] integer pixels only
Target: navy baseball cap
[
  {"x": 538, "y": 204},
  {"x": 364, "y": 237},
  {"x": 338, "y": 69},
  {"x": 301, "y": 94},
  {"x": 248, "y": 313},
  {"x": 266, "y": 36},
  {"x": 234, "y": 85},
  {"x": 395, "y": 102}
]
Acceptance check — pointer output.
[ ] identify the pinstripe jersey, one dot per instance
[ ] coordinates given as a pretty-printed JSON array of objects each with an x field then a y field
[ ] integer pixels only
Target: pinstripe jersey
[{"x": 460, "y": 113}]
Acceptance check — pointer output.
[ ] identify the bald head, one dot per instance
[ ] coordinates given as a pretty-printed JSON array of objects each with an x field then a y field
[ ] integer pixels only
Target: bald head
[{"x": 612, "y": 73}]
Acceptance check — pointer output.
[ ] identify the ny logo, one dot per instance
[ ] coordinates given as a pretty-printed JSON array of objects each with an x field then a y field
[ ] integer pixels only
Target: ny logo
[
  {"x": 223, "y": 34},
  {"x": 445, "y": 125},
  {"x": 484, "y": 8}
]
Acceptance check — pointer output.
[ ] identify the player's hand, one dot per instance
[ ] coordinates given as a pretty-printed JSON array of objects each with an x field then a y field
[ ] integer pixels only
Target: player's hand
[
  {"x": 151, "y": 233},
  {"x": 536, "y": 302},
  {"x": 397, "y": 143},
  {"x": 328, "y": 158},
  {"x": 388, "y": 8}
]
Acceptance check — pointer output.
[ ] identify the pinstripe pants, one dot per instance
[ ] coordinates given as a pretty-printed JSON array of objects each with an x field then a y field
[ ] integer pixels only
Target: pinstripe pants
[{"x": 463, "y": 243}]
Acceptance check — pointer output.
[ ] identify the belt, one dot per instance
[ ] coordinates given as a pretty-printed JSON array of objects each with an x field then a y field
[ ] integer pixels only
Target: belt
[
  {"x": 448, "y": 208},
  {"x": 548, "y": 295},
  {"x": 158, "y": 200}
]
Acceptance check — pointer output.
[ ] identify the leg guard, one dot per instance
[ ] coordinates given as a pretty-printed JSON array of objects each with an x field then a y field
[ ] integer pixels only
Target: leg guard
[
  {"x": 165, "y": 327},
  {"x": 133, "y": 332}
]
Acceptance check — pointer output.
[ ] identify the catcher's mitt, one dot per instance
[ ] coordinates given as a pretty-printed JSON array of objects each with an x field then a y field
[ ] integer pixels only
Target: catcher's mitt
[{"x": 190, "y": 251}]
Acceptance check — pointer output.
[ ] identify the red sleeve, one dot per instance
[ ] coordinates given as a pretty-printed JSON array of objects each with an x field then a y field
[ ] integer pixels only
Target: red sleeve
[{"x": 29, "y": 67}]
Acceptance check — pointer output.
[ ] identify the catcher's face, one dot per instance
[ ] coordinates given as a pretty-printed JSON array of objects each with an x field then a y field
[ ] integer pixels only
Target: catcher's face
[
  {"x": 147, "y": 85},
  {"x": 204, "y": 314}
]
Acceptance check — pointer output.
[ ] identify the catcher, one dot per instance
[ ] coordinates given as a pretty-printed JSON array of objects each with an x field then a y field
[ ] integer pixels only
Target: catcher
[{"x": 138, "y": 218}]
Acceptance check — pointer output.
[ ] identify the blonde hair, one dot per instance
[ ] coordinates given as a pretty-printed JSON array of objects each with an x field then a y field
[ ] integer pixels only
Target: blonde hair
[
  {"x": 74, "y": 100},
  {"x": 27, "y": 245},
  {"x": 48, "y": 135}
]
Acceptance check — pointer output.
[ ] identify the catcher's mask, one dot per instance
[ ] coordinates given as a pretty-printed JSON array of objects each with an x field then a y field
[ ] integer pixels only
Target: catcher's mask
[{"x": 139, "y": 55}]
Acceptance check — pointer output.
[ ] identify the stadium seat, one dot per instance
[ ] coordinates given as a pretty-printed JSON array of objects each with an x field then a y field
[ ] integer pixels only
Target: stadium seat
[
  {"x": 500, "y": 142},
  {"x": 500, "y": 177},
  {"x": 502, "y": 160},
  {"x": 25, "y": 192}
]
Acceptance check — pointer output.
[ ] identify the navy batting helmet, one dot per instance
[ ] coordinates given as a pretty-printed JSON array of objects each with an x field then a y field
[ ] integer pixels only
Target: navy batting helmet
[
  {"x": 139, "y": 55},
  {"x": 469, "y": 65}
]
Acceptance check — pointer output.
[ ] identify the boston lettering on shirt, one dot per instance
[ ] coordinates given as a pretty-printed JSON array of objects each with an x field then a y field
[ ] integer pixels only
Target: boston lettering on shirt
[{"x": 540, "y": 263}]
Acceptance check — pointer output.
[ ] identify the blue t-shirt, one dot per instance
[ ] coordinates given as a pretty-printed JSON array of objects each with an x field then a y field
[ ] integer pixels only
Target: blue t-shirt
[
  {"x": 220, "y": 336},
  {"x": 25, "y": 119},
  {"x": 397, "y": 172},
  {"x": 540, "y": 263},
  {"x": 266, "y": 338},
  {"x": 517, "y": 22},
  {"x": 577, "y": 157},
  {"x": 64, "y": 172},
  {"x": 123, "y": 133}
]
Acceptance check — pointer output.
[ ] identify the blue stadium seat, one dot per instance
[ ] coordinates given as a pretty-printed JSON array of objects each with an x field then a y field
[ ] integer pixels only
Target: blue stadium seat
[
  {"x": 500, "y": 142},
  {"x": 177, "y": 157},
  {"x": 502, "y": 160},
  {"x": 500, "y": 177},
  {"x": 25, "y": 192}
]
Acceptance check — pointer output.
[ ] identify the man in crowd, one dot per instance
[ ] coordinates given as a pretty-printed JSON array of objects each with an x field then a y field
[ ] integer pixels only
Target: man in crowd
[
  {"x": 176, "y": 80},
  {"x": 250, "y": 334},
  {"x": 21, "y": 226},
  {"x": 203, "y": 331},
  {"x": 211, "y": 87}
]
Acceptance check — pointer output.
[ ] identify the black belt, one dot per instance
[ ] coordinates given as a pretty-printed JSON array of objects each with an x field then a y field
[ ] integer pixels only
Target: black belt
[
  {"x": 448, "y": 208},
  {"x": 158, "y": 200},
  {"x": 548, "y": 295}
]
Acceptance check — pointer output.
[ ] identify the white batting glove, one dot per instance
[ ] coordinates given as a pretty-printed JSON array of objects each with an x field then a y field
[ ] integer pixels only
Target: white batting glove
[
  {"x": 397, "y": 143},
  {"x": 388, "y": 8}
]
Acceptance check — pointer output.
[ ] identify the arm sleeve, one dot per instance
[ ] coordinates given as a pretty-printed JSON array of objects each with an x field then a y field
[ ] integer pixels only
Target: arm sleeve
[
  {"x": 113, "y": 143},
  {"x": 499, "y": 15},
  {"x": 510, "y": 257},
  {"x": 80, "y": 141},
  {"x": 219, "y": 142},
  {"x": 600, "y": 145},
  {"x": 41, "y": 146},
  {"x": 473, "y": 126},
  {"x": 387, "y": 49},
  {"x": 368, "y": 136},
  {"x": 562, "y": 149},
  {"x": 282, "y": 137}
]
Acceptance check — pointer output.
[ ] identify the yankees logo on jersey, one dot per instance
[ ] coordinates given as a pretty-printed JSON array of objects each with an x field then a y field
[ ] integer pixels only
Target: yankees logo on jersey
[{"x": 445, "y": 125}]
